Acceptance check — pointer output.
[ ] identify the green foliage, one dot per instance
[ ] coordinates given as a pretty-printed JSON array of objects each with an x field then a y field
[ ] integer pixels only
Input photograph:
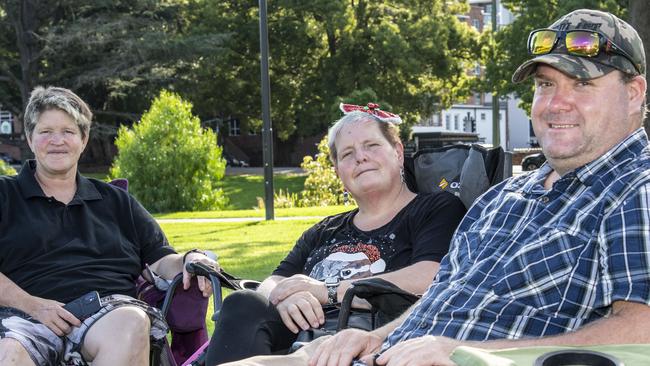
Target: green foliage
[
  {"x": 412, "y": 54},
  {"x": 243, "y": 191},
  {"x": 115, "y": 54},
  {"x": 172, "y": 164},
  {"x": 6, "y": 169},
  {"x": 322, "y": 186},
  {"x": 281, "y": 199}
]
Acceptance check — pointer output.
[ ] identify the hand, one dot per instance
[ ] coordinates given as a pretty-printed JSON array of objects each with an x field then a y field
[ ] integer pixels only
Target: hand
[
  {"x": 344, "y": 346},
  {"x": 52, "y": 314},
  {"x": 204, "y": 283},
  {"x": 421, "y": 351},
  {"x": 298, "y": 283},
  {"x": 301, "y": 311}
]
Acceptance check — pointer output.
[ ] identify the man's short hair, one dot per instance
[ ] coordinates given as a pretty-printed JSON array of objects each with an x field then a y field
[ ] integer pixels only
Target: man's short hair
[{"x": 44, "y": 99}]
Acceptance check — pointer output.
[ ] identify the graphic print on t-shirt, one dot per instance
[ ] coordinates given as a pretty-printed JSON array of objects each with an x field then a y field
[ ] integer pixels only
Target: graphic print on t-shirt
[{"x": 348, "y": 261}]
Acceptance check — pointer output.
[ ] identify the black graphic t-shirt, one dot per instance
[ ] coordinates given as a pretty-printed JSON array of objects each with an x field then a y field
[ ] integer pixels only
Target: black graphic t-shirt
[{"x": 334, "y": 247}]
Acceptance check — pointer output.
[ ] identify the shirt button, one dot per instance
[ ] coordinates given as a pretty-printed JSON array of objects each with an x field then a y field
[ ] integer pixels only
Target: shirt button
[{"x": 543, "y": 199}]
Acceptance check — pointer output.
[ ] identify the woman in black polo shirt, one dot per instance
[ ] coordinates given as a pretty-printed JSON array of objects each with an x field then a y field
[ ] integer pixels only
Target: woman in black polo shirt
[{"x": 63, "y": 235}]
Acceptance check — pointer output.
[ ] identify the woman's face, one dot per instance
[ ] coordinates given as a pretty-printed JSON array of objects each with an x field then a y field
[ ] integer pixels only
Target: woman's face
[
  {"x": 56, "y": 143},
  {"x": 366, "y": 161}
]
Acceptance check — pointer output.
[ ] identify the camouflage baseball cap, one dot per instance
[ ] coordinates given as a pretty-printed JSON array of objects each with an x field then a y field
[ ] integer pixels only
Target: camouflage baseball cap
[{"x": 616, "y": 30}]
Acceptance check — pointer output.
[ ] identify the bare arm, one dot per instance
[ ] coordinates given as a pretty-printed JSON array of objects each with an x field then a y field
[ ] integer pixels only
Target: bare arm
[
  {"x": 628, "y": 323},
  {"x": 48, "y": 312},
  {"x": 414, "y": 278},
  {"x": 269, "y": 284},
  {"x": 172, "y": 264}
]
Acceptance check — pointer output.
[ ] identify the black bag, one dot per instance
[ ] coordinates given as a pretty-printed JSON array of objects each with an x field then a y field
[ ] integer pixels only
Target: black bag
[{"x": 464, "y": 170}]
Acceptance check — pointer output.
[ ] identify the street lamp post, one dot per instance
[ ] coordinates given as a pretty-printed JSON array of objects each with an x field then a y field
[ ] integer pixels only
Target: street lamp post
[{"x": 267, "y": 129}]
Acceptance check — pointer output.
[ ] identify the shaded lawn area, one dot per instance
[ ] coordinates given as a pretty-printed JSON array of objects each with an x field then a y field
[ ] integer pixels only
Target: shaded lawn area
[
  {"x": 279, "y": 212},
  {"x": 246, "y": 249},
  {"x": 243, "y": 190}
]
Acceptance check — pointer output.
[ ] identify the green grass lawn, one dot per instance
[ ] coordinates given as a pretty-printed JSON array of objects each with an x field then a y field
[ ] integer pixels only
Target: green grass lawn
[
  {"x": 243, "y": 190},
  {"x": 246, "y": 249},
  {"x": 250, "y": 249}
]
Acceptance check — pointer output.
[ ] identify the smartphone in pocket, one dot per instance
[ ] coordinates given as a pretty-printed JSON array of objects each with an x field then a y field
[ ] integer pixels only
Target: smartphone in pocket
[{"x": 84, "y": 306}]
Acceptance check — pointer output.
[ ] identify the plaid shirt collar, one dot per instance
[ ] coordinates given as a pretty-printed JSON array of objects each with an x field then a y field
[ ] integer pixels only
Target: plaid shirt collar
[{"x": 604, "y": 168}]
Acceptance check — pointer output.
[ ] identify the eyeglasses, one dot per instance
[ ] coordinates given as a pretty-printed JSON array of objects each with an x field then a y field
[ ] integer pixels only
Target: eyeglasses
[{"x": 583, "y": 43}]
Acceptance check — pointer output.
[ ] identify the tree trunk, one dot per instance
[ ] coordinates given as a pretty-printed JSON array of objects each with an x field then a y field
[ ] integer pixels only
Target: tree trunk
[{"x": 639, "y": 17}]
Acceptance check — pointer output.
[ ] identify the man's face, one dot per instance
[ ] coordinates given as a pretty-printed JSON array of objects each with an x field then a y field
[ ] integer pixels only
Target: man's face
[{"x": 577, "y": 121}]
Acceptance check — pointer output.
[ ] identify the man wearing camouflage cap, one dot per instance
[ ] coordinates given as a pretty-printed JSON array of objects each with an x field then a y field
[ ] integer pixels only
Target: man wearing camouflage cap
[{"x": 557, "y": 256}]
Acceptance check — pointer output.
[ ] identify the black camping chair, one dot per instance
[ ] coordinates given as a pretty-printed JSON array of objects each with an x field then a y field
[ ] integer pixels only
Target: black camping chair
[
  {"x": 183, "y": 310},
  {"x": 464, "y": 170}
]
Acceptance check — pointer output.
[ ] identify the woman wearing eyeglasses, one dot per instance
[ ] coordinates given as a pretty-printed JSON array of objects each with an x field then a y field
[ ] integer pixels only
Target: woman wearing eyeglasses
[{"x": 394, "y": 234}]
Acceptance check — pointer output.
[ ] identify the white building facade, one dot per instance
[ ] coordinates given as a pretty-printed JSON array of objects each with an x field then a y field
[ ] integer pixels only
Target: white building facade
[{"x": 475, "y": 115}]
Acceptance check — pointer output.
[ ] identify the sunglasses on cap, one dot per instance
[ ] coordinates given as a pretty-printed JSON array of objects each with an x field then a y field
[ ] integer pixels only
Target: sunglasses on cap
[{"x": 577, "y": 42}]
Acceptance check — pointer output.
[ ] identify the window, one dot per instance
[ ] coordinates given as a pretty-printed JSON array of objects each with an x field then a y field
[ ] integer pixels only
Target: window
[
  {"x": 6, "y": 122},
  {"x": 448, "y": 122},
  {"x": 456, "y": 127},
  {"x": 476, "y": 24},
  {"x": 233, "y": 127},
  {"x": 483, "y": 116}
]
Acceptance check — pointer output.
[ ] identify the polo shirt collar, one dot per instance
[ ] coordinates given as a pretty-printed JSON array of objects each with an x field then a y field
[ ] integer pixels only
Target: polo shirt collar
[{"x": 29, "y": 187}]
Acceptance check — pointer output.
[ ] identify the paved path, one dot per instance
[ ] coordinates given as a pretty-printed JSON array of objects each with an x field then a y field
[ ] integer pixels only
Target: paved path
[
  {"x": 238, "y": 219},
  {"x": 515, "y": 171}
]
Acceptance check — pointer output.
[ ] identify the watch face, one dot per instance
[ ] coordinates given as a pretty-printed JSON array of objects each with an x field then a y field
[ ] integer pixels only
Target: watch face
[{"x": 330, "y": 281}]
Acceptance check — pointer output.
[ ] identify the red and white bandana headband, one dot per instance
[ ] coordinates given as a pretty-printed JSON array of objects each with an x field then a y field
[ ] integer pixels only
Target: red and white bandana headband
[{"x": 372, "y": 108}]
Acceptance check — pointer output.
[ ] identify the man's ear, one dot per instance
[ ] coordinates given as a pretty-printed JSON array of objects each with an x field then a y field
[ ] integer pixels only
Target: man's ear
[{"x": 637, "y": 88}]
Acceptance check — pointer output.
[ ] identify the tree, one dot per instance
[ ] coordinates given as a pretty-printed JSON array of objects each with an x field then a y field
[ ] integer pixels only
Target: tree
[
  {"x": 172, "y": 164},
  {"x": 6, "y": 169},
  {"x": 115, "y": 54},
  {"x": 639, "y": 14},
  {"x": 322, "y": 186},
  {"x": 508, "y": 51},
  {"x": 413, "y": 54}
]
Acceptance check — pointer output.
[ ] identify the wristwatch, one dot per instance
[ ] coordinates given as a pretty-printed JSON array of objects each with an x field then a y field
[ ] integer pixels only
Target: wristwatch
[{"x": 332, "y": 284}]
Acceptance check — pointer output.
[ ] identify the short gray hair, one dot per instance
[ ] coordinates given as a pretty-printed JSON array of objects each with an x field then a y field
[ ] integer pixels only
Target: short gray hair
[
  {"x": 44, "y": 99},
  {"x": 389, "y": 130}
]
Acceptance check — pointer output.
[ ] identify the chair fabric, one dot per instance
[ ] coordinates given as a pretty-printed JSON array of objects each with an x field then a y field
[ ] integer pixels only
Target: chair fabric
[
  {"x": 185, "y": 315},
  {"x": 464, "y": 170},
  {"x": 629, "y": 354}
]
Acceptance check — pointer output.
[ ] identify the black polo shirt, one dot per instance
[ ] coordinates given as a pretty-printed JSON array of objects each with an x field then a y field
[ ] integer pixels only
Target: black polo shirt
[{"x": 99, "y": 241}]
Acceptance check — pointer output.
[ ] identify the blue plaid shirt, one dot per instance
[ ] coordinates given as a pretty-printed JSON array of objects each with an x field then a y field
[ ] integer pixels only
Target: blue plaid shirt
[{"x": 526, "y": 262}]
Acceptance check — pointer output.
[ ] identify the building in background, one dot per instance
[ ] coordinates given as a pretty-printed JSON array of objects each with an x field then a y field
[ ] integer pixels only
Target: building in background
[
  {"x": 11, "y": 139},
  {"x": 473, "y": 117}
]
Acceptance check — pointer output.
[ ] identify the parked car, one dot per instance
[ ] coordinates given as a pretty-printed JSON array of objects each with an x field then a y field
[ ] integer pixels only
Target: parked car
[
  {"x": 8, "y": 159},
  {"x": 233, "y": 161},
  {"x": 533, "y": 161}
]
